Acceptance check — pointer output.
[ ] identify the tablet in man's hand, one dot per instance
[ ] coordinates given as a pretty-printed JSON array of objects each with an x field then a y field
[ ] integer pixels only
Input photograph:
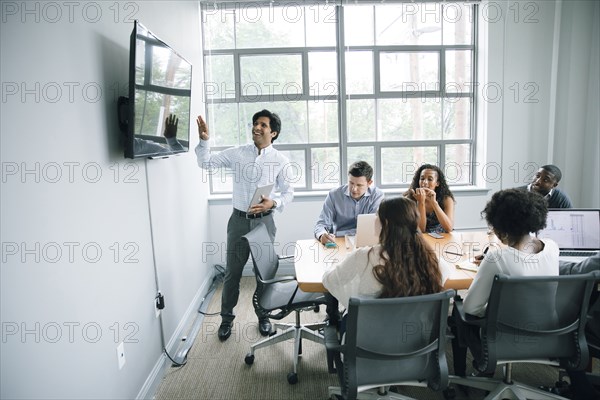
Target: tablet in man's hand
[{"x": 258, "y": 193}]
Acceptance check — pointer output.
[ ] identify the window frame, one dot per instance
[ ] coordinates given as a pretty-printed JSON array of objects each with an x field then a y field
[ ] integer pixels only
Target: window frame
[{"x": 342, "y": 98}]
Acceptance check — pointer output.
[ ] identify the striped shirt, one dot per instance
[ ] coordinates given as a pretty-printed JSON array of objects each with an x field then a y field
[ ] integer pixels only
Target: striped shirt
[{"x": 251, "y": 170}]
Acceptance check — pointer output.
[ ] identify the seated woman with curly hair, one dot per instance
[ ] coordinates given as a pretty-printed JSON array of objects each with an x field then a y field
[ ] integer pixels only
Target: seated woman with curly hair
[
  {"x": 513, "y": 215},
  {"x": 435, "y": 201}
]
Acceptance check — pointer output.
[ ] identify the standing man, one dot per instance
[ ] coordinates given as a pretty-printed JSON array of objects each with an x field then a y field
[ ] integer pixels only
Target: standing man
[
  {"x": 253, "y": 165},
  {"x": 545, "y": 182},
  {"x": 343, "y": 204}
]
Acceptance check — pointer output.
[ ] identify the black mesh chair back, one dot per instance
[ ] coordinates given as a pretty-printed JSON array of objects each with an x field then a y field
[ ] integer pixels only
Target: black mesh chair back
[
  {"x": 539, "y": 319},
  {"x": 275, "y": 296},
  {"x": 278, "y": 296},
  {"x": 262, "y": 250},
  {"x": 592, "y": 334},
  {"x": 396, "y": 341},
  {"x": 536, "y": 318}
]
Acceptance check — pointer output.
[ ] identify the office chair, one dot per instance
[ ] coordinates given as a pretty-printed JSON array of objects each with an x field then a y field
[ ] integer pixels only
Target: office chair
[
  {"x": 593, "y": 336},
  {"x": 278, "y": 296},
  {"x": 395, "y": 341},
  {"x": 531, "y": 320}
]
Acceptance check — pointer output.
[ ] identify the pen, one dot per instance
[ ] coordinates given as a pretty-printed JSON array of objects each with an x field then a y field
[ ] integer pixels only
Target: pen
[
  {"x": 329, "y": 243},
  {"x": 453, "y": 253},
  {"x": 466, "y": 267},
  {"x": 482, "y": 256}
]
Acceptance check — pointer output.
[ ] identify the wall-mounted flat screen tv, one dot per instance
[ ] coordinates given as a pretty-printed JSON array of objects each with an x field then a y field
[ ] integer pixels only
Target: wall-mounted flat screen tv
[{"x": 160, "y": 85}]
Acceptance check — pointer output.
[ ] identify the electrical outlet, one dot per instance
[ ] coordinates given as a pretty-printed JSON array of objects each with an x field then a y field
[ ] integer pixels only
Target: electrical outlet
[{"x": 121, "y": 354}]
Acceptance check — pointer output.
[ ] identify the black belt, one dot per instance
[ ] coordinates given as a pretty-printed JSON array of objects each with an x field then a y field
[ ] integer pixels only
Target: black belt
[{"x": 251, "y": 216}]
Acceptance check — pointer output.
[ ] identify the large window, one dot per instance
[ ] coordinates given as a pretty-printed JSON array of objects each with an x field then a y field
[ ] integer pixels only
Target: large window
[{"x": 387, "y": 83}]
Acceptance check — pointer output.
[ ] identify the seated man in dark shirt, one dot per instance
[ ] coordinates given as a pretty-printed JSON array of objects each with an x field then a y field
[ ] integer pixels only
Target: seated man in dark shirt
[{"x": 545, "y": 182}]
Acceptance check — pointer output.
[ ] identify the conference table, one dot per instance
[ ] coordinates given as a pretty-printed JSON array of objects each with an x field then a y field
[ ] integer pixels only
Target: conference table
[{"x": 458, "y": 248}]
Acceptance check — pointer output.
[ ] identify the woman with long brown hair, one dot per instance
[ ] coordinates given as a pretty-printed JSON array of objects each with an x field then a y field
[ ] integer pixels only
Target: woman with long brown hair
[{"x": 401, "y": 264}]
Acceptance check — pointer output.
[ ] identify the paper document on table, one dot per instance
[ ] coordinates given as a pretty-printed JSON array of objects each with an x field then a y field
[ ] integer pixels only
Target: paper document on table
[{"x": 467, "y": 265}]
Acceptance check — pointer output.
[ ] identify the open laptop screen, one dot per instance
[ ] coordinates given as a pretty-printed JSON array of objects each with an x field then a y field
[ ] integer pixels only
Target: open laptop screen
[{"x": 573, "y": 229}]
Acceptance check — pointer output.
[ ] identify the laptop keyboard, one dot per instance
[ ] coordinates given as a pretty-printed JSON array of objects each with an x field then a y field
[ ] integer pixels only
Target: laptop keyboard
[{"x": 577, "y": 253}]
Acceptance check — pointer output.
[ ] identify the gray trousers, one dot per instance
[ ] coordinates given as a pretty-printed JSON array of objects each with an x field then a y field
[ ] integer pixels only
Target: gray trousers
[{"x": 237, "y": 254}]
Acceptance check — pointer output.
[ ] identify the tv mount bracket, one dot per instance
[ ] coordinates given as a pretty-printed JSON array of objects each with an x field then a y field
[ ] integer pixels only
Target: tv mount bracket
[{"x": 123, "y": 113}]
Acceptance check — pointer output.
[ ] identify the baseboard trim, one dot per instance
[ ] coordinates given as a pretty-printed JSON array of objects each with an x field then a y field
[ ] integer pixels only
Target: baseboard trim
[{"x": 148, "y": 389}]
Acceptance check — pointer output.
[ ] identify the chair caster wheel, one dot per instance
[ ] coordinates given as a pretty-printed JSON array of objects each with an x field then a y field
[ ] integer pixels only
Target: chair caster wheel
[
  {"x": 449, "y": 393},
  {"x": 249, "y": 359},
  {"x": 292, "y": 378}
]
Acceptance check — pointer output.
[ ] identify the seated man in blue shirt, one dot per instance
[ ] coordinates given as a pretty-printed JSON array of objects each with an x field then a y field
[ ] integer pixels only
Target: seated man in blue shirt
[
  {"x": 545, "y": 182},
  {"x": 343, "y": 204},
  {"x": 339, "y": 213}
]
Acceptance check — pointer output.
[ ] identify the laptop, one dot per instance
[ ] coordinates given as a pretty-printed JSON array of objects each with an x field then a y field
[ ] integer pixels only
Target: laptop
[
  {"x": 367, "y": 230},
  {"x": 576, "y": 231}
]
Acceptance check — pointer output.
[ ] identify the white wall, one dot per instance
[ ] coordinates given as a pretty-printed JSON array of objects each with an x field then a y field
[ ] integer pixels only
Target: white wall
[
  {"x": 63, "y": 315},
  {"x": 558, "y": 53},
  {"x": 577, "y": 117}
]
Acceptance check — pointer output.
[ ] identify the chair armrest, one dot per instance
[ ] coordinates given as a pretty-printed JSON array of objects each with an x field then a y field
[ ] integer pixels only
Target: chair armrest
[
  {"x": 467, "y": 318},
  {"x": 333, "y": 349},
  {"x": 332, "y": 343},
  {"x": 287, "y": 262},
  {"x": 285, "y": 278}
]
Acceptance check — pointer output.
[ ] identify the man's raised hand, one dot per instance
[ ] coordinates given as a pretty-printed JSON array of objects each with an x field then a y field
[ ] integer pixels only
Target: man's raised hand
[{"x": 202, "y": 128}]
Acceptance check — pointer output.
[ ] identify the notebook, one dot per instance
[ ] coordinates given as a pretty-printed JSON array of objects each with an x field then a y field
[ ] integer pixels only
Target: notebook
[
  {"x": 367, "y": 230},
  {"x": 576, "y": 231}
]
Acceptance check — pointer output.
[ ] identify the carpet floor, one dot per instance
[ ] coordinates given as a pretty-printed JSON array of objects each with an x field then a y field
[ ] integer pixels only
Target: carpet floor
[{"x": 216, "y": 370}]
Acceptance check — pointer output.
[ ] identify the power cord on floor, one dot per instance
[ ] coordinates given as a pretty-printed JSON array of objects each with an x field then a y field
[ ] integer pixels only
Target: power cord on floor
[
  {"x": 217, "y": 279},
  {"x": 174, "y": 363}
]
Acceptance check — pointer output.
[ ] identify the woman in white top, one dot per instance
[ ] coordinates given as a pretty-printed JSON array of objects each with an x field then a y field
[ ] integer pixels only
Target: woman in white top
[
  {"x": 513, "y": 215},
  {"x": 402, "y": 264}
]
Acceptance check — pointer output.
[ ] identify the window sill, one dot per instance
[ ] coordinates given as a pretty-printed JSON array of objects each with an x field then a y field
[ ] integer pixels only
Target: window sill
[{"x": 466, "y": 191}]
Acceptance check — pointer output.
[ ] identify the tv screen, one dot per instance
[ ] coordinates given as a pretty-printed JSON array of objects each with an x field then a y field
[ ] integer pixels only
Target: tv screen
[{"x": 160, "y": 85}]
